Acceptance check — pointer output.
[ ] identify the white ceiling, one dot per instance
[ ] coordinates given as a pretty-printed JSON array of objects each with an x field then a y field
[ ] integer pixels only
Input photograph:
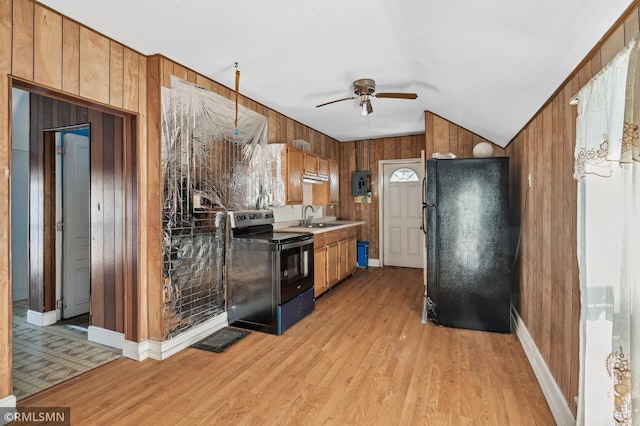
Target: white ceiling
[{"x": 487, "y": 66}]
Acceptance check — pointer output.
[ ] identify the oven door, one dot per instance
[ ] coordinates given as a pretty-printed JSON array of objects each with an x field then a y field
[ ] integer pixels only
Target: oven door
[{"x": 296, "y": 269}]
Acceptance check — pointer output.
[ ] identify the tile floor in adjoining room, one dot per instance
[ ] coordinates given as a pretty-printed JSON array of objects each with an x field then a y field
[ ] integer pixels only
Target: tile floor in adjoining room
[{"x": 46, "y": 356}]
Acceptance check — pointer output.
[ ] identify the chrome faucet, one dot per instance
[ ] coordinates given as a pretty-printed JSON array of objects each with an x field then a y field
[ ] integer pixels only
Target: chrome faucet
[{"x": 305, "y": 220}]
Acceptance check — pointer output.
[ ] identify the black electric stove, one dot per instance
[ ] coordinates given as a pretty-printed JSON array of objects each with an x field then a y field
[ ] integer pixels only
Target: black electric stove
[{"x": 270, "y": 275}]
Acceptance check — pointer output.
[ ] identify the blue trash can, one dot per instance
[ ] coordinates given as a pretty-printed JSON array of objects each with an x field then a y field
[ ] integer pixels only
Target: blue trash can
[{"x": 363, "y": 254}]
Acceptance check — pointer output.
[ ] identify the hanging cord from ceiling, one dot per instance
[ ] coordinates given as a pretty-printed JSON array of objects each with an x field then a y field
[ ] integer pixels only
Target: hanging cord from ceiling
[{"x": 237, "y": 93}]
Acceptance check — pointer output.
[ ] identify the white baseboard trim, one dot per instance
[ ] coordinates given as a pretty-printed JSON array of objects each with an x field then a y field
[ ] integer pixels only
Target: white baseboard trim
[
  {"x": 42, "y": 319},
  {"x": 552, "y": 393},
  {"x": 136, "y": 351},
  {"x": 162, "y": 350},
  {"x": 8, "y": 401},
  {"x": 106, "y": 337},
  {"x": 375, "y": 263}
]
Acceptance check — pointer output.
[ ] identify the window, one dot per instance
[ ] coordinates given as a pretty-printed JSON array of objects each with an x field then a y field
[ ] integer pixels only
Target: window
[{"x": 404, "y": 175}]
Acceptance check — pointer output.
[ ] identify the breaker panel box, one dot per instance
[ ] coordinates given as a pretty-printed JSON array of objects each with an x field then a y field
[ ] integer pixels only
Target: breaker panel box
[{"x": 361, "y": 184}]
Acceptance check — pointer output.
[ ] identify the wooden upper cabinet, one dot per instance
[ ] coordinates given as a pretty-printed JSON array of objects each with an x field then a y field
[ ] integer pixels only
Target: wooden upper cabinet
[
  {"x": 328, "y": 192},
  {"x": 297, "y": 164},
  {"x": 323, "y": 168},
  {"x": 310, "y": 164},
  {"x": 334, "y": 183},
  {"x": 293, "y": 173}
]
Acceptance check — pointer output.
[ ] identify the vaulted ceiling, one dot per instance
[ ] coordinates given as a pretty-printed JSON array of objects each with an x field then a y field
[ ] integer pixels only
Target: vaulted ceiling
[{"x": 487, "y": 66}]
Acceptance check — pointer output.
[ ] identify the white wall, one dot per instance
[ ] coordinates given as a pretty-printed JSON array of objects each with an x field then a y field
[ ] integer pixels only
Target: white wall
[{"x": 20, "y": 194}]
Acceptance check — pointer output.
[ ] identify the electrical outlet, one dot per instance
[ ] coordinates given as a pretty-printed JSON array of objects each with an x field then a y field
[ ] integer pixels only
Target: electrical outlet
[{"x": 529, "y": 183}]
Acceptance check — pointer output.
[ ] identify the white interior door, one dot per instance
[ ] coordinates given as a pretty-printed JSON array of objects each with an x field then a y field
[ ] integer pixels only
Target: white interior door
[
  {"x": 76, "y": 262},
  {"x": 402, "y": 206}
]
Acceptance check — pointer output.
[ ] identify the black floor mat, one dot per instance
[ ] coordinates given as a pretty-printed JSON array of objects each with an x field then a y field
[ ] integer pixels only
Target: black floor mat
[{"x": 221, "y": 339}]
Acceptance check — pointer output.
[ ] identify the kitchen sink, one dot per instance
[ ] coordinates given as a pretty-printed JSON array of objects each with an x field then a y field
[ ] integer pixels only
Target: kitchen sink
[{"x": 319, "y": 225}]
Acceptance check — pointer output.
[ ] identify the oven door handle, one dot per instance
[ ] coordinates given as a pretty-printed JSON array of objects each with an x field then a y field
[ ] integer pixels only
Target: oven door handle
[{"x": 296, "y": 244}]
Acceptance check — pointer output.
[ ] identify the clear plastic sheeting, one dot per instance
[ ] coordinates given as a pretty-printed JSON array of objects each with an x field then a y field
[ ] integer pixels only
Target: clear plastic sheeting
[
  {"x": 198, "y": 131},
  {"x": 207, "y": 167},
  {"x": 276, "y": 195}
]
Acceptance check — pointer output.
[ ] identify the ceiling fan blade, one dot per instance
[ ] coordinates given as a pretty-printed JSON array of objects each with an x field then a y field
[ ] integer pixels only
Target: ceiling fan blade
[
  {"x": 337, "y": 100},
  {"x": 396, "y": 95}
]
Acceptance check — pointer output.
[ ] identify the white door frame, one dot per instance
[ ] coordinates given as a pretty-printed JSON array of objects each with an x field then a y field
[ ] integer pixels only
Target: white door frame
[{"x": 419, "y": 163}]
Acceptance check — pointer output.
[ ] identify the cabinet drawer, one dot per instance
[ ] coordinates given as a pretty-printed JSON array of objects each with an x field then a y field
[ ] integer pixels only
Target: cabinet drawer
[
  {"x": 318, "y": 241},
  {"x": 331, "y": 237},
  {"x": 353, "y": 231},
  {"x": 343, "y": 234}
]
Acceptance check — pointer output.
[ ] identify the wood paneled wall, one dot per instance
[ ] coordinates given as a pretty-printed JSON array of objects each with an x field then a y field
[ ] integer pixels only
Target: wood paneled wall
[
  {"x": 444, "y": 136},
  {"x": 281, "y": 129},
  {"x": 548, "y": 296},
  {"x": 107, "y": 208},
  {"x": 440, "y": 136},
  {"x": 62, "y": 57},
  {"x": 380, "y": 149}
]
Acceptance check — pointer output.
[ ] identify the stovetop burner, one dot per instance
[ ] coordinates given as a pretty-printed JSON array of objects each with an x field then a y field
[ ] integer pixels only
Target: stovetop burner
[
  {"x": 275, "y": 237},
  {"x": 257, "y": 225}
]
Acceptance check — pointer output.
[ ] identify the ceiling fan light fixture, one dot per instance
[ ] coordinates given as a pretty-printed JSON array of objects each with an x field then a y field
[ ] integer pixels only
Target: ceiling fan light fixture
[{"x": 365, "y": 104}]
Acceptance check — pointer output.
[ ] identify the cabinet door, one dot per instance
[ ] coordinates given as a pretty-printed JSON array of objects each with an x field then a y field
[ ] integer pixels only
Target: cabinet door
[
  {"x": 334, "y": 183},
  {"x": 319, "y": 271},
  {"x": 323, "y": 168},
  {"x": 310, "y": 164},
  {"x": 343, "y": 254},
  {"x": 333, "y": 271},
  {"x": 321, "y": 193},
  {"x": 294, "y": 160},
  {"x": 353, "y": 255}
]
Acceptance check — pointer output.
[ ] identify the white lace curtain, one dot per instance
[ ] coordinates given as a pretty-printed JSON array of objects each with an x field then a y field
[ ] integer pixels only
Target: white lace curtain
[{"x": 607, "y": 167}]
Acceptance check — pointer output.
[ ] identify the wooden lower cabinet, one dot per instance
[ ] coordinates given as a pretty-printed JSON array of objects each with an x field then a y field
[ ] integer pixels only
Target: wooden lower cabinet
[
  {"x": 353, "y": 255},
  {"x": 333, "y": 265},
  {"x": 343, "y": 259},
  {"x": 335, "y": 258},
  {"x": 320, "y": 270}
]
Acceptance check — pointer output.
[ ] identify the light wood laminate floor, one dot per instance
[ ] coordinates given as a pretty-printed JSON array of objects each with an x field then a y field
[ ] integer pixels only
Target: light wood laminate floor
[{"x": 361, "y": 358}]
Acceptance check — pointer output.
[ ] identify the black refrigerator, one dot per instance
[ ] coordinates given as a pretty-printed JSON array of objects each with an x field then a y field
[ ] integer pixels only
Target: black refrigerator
[{"x": 466, "y": 208}]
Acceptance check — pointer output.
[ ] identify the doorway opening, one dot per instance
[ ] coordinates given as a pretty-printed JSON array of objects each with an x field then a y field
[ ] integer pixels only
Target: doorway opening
[
  {"x": 401, "y": 237},
  {"x": 73, "y": 222}
]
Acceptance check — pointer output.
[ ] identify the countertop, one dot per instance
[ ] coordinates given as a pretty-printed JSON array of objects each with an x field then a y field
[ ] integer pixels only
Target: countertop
[{"x": 339, "y": 224}]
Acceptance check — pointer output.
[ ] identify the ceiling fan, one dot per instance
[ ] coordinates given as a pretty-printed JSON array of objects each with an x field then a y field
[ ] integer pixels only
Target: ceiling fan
[{"x": 364, "y": 89}]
